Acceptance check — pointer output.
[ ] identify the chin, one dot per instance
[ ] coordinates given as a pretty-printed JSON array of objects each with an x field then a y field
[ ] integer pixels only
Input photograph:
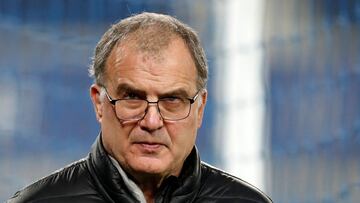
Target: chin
[{"x": 148, "y": 165}]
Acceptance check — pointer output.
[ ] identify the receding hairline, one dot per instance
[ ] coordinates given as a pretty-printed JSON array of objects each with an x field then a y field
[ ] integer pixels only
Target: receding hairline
[
  {"x": 154, "y": 44},
  {"x": 131, "y": 46},
  {"x": 156, "y": 26}
]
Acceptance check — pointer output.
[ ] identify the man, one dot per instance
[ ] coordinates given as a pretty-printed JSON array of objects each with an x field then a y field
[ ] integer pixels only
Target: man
[{"x": 149, "y": 98}]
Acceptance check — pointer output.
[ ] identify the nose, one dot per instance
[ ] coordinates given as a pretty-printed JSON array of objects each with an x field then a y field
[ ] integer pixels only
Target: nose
[{"x": 152, "y": 120}]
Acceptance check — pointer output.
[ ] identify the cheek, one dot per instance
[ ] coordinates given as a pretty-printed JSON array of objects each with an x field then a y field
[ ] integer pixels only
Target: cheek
[
  {"x": 115, "y": 136},
  {"x": 183, "y": 133}
]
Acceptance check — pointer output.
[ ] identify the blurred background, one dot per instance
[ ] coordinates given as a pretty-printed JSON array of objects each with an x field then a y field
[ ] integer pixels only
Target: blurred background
[{"x": 284, "y": 89}]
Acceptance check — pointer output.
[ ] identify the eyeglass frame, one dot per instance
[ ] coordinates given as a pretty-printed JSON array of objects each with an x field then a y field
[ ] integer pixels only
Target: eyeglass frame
[{"x": 113, "y": 102}]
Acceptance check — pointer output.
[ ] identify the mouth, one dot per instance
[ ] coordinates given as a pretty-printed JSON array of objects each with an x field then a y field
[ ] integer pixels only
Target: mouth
[{"x": 148, "y": 147}]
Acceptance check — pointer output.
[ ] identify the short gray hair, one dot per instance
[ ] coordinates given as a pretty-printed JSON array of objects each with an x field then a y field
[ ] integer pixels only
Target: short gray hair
[{"x": 151, "y": 32}]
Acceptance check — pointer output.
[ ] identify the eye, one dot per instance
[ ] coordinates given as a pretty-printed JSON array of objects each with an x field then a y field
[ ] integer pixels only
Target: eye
[
  {"x": 172, "y": 99},
  {"x": 131, "y": 95}
]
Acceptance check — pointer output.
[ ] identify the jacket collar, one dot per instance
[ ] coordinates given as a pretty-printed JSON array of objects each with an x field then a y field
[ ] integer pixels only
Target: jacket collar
[
  {"x": 112, "y": 185},
  {"x": 106, "y": 176}
]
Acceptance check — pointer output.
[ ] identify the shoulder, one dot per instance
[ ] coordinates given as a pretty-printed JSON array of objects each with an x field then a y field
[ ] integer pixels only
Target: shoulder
[
  {"x": 219, "y": 186},
  {"x": 67, "y": 184}
]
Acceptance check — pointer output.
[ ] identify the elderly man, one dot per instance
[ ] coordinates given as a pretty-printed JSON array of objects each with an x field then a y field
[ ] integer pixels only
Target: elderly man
[{"x": 149, "y": 97}]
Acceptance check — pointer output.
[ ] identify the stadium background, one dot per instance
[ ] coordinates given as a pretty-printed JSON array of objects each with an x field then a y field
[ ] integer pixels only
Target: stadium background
[{"x": 308, "y": 89}]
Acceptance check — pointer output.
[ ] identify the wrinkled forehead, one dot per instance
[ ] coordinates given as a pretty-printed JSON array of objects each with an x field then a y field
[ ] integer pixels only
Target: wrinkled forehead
[{"x": 174, "y": 60}]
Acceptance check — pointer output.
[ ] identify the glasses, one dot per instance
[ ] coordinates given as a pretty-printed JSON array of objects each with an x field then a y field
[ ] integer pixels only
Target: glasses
[{"x": 169, "y": 108}]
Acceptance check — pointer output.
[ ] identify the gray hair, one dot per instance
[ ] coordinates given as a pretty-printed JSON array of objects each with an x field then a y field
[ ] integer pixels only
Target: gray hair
[{"x": 151, "y": 32}]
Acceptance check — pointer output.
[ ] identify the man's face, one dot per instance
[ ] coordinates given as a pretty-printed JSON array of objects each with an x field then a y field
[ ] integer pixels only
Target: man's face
[{"x": 150, "y": 146}]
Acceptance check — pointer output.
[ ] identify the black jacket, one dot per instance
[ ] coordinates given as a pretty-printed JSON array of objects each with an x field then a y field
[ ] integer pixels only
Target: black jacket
[{"x": 95, "y": 179}]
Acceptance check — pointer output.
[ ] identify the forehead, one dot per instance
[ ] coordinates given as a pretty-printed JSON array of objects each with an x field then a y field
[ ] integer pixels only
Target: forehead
[{"x": 172, "y": 67}]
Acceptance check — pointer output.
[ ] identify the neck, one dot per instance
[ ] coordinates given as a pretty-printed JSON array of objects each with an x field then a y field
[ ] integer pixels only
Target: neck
[
  {"x": 149, "y": 194},
  {"x": 149, "y": 186},
  {"x": 149, "y": 183}
]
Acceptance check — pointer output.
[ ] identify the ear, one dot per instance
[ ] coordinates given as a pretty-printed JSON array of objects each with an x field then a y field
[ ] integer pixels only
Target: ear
[
  {"x": 95, "y": 94},
  {"x": 201, "y": 108}
]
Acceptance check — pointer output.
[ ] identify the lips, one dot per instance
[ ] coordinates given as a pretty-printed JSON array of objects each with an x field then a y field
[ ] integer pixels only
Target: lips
[{"x": 149, "y": 147}]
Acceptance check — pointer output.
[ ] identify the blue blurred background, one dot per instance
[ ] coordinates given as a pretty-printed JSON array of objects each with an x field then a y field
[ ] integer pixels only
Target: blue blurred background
[{"x": 295, "y": 65}]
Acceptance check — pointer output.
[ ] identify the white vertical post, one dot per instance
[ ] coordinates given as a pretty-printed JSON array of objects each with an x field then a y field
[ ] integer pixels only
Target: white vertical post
[{"x": 240, "y": 121}]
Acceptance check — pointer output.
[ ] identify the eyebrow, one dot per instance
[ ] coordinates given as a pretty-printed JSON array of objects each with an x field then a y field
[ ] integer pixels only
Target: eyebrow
[
  {"x": 177, "y": 92},
  {"x": 125, "y": 87}
]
